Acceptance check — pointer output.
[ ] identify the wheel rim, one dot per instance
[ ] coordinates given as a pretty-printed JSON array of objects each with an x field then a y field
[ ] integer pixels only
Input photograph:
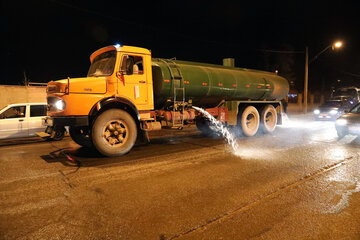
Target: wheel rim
[
  {"x": 251, "y": 121},
  {"x": 84, "y": 133},
  {"x": 270, "y": 120},
  {"x": 115, "y": 133}
]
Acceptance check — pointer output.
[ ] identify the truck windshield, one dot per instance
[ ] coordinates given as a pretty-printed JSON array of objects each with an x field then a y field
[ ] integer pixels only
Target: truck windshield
[{"x": 103, "y": 65}]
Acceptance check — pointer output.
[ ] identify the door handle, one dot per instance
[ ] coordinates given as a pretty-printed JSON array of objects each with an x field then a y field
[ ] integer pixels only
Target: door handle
[{"x": 21, "y": 120}]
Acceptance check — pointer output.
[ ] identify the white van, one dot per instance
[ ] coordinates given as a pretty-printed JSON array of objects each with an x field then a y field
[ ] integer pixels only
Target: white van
[{"x": 24, "y": 120}]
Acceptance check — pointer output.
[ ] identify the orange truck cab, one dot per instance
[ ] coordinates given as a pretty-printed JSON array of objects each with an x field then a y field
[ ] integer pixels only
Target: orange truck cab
[{"x": 91, "y": 102}]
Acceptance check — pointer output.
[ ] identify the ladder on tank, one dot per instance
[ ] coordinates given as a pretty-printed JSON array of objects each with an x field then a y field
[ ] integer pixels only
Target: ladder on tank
[{"x": 179, "y": 92}]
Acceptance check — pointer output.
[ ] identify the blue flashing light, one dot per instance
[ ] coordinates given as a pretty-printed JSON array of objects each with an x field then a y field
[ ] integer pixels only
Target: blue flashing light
[{"x": 117, "y": 45}]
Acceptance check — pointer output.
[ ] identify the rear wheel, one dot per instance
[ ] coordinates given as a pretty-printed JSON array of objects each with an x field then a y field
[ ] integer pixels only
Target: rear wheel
[
  {"x": 249, "y": 121},
  {"x": 114, "y": 133},
  {"x": 81, "y": 136},
  {"x": 268, "y": 119}
]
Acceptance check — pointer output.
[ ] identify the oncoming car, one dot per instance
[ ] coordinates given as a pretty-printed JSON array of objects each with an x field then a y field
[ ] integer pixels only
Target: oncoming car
[
  {"x": 349, "y": 123},
  {"x": 24, "y": 120},
  {"x": 332, "y": 109}
]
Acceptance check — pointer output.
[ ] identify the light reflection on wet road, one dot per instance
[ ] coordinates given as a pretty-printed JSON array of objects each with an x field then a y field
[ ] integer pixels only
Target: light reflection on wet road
[{"x": 301, "y": 181}]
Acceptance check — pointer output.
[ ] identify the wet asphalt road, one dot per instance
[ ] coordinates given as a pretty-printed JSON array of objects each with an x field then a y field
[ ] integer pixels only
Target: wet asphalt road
[{"x": 300, "y": 183}]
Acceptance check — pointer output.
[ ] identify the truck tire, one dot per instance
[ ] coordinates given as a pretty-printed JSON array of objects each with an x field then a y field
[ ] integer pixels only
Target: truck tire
[
  {"x": 268, "y": 119},
  {"x": 249, "y": 121},
  {"x": 80, "y": 136},
  {"x": 114, "y": 133}
]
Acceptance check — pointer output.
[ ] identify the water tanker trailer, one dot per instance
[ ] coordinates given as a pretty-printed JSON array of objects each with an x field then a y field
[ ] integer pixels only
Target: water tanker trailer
[{"x": 127, "y": 94}]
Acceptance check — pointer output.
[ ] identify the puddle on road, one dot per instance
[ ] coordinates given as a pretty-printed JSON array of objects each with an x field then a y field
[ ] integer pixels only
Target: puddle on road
[{"x": 344, "y": 196}]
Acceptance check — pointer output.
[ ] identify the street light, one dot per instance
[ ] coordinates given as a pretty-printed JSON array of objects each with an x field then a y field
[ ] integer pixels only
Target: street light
[
  {"x": 338, "y": 44},
  {"x": 334, "y": 46}
]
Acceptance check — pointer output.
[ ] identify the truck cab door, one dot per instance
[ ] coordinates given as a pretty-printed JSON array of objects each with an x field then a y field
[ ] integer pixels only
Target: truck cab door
[{"x": 135, "y": 78}]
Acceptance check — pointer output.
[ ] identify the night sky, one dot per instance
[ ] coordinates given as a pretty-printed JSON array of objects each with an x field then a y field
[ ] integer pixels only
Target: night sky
[{"x": 53, "y": 39}]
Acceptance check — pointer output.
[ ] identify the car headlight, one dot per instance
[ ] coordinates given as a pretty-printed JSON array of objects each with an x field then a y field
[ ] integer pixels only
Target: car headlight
[
  {"x": 316, "y": 111},
  {"x": 333, "y": 112},
  {"x": 60, "y": 105},
  {"x": 341, "y": 122}
]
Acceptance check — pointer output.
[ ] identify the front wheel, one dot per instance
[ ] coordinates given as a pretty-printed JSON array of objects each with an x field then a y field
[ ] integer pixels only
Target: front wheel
[
  {"x": 114, "y": 133},
  {"x": 80, "y": 135}
]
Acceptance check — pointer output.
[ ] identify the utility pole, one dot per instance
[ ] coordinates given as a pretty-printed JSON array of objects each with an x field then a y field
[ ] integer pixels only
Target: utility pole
[
  {"x": 306, "y": 80},
  {"x": 334, "y": 46}
]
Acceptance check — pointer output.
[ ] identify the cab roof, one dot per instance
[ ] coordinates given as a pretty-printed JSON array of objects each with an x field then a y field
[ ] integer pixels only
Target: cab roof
[{"x": 128, "y": 49}]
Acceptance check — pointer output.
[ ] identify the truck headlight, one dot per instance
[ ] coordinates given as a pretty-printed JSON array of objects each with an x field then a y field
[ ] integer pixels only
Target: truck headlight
[
  {"x": 341, "y": 122},
  {"x": 316, "y": 111},
  {"x": 60, "y": 105},
  {"x": 333, "y": 112}
]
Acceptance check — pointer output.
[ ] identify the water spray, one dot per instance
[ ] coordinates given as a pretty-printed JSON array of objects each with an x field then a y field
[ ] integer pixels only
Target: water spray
[{"x": 220, "y": 128}]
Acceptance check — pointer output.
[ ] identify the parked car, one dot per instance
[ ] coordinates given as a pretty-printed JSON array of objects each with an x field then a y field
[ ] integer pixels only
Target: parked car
[
  {"x": 349, "y": 123},
  {"x": 332, "y": 109},
  {"x": 24, "y": 120}
]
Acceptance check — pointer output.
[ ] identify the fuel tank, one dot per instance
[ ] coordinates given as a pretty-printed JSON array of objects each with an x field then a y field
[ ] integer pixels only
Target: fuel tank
[{"x": 207, "y": 84}]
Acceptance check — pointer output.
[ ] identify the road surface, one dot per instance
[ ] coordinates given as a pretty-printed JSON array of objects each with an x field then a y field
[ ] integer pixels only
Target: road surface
[{"x": 301, "y": 182}]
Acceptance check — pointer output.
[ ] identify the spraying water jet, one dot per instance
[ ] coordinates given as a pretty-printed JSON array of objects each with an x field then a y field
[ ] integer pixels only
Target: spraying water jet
[{"x": 220, "y": 128}]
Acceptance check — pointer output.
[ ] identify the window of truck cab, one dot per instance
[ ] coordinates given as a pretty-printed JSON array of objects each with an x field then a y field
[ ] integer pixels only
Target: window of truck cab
[
  {"x": 103, "y": 64},
  {"x": 138, "y": 68}
]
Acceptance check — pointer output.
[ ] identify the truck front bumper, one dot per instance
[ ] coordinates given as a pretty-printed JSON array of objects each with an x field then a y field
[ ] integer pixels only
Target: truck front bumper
[{"x": 66, "y": 121}]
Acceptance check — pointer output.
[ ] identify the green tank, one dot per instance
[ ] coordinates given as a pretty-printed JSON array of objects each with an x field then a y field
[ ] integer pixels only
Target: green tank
[{"x": 207, "y": 84}]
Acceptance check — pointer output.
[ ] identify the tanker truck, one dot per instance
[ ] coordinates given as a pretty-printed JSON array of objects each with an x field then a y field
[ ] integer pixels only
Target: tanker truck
[{"x": 127, "y": 93}]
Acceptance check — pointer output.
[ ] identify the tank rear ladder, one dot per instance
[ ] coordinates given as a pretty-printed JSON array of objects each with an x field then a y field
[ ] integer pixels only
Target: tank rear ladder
[{"x": 179, "y": 93}]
